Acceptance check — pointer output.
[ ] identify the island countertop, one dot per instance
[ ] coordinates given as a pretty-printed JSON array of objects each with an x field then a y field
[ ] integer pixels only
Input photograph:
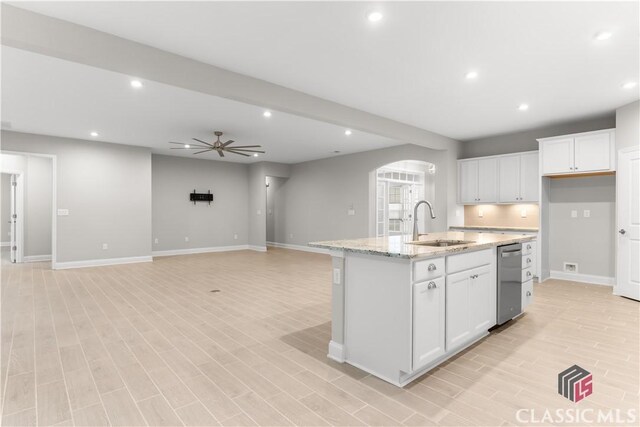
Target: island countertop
[{"x": 401, "y": 247}]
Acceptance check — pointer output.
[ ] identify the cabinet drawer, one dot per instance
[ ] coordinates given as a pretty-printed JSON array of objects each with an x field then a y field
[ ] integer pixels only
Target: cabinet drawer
[
  {"x": 527, "y": 274},
  {"x": 529, "y": 248},
  {"x": 469, "y": 260},
  {"x": 527, "y": 293},
  {"x": 528, "y": 260},
  {"x": 428, "y": 269}
]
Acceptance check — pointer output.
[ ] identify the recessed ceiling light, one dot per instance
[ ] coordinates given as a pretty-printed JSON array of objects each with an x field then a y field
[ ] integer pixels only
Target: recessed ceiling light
[
  {"x": 187, "y": 146},
  {"x": 255, "y": 154},
  {"x": 374, "y": 16},
  {"x": 94, "y": 134},
  {"x": 629, "y": 85},
  {"x": 471, "y": 75},
  {"x": 603, "y": 35},
  {"x": 348, "y": 132},
  {"x": 136, "y": 84},
  {"x": 523, "y": 107},
  {"x": 267, "y": 114}
]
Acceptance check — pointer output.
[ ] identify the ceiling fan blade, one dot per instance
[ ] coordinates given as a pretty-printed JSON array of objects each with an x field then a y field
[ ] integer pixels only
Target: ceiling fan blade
[
  {"x": 246, "y": 146},
  {"x": 203, "y": 151},
  {"x": 247, "y": 151},
  {"x": 237, "y": 152},
  {"x": 205, "y": 143},
  {"x": 221, "y": 153},
  {"x": 191, "y": 147},
  {"x": 227, "y": 143}
]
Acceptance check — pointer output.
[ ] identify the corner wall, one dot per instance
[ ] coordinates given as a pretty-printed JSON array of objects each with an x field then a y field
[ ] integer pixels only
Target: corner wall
[{"x": 628, "y": 125}]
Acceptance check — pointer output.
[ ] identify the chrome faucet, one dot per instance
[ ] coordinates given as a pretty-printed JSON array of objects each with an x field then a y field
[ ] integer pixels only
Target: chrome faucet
[{"x": 415, "y": 217}]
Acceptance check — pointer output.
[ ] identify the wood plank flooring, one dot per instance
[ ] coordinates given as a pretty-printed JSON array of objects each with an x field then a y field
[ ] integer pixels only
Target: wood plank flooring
[{"x": 151, "y": 344}]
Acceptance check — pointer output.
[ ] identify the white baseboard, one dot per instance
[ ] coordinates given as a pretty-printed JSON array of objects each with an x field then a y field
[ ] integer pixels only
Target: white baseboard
[
  {"x": 191, "y": 251},
  {"x": 583, "y": 278},
  {"x": 336, "y": 352},
  {"x": 101, "y": 262},
  {"x": 258, "y": 248},
  {"x": 37, "y": 258},
  {"x": 4, "y": 244},
  {"x": 299, "y": 248}
]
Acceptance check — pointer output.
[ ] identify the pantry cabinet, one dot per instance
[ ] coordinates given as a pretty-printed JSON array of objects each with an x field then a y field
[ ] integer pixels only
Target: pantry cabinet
[{"x": 588, "y": 152}]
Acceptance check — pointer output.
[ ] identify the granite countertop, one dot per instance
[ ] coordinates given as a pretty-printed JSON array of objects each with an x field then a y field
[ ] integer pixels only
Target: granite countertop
[
  {"x": 497, "y": 228},
  {"x": 400, "y": 246}
]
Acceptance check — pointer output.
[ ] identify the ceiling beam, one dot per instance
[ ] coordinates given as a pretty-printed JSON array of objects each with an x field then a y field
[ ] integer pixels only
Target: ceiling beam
[{"x": 53, "y": 37}]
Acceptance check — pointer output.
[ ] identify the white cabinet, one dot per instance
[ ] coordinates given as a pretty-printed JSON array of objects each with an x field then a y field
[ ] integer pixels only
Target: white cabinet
[
  {"x": 428, "y": 322},
  {"x": 518, "y": 178},
  {"x": 477, "y": 180},
  {"x": 578, "y": 153},
  {"x": 470, "y": 304}
]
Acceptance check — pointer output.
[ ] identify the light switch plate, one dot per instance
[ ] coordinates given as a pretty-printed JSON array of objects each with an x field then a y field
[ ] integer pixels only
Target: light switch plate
[
  {"x": 480, "y": 213},
  {"x": 351, "y": 212},
  {"x": 523, "y": 213},
  {"x": 574, "y": 214},
  {"x": 63, "y": 212},
  {"x": 336, "y": 276}
]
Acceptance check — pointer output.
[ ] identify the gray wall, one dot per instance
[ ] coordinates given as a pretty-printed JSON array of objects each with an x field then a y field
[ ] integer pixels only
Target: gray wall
[
  {"x": 107, "y": 189},
  {"x": 175, "y": 218},
  {"x": 317, "y": 195},
  {"x": 526, "y": 141},
  {"x": 5, "y": 208},
  {"x": 38, "y": 197},
  {"x": 590, "y": 242},
  {"x": 628, "y": 125}
]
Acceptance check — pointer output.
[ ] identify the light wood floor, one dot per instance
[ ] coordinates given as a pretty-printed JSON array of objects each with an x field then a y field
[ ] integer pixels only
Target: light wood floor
[{"x": 151, "y": 344}]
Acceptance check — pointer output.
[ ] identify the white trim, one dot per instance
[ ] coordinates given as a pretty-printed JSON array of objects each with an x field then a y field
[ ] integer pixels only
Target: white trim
[
  {"x": 569, "y": 135},
  {"x": 258, "y": 248},
  {"x": 191, "y": 251},
  {"x": 37, "y": 258},
  {"x": 101, "y": 262},
  {"x": 583, "y": 278},
  {"x": 5, "y": 244},
  {"x": 336, "y": 352},
  {"x": 299, "y": 248}
]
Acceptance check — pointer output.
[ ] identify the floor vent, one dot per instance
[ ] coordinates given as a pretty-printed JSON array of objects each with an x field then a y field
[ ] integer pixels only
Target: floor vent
[{"x": 215, "y": 290}]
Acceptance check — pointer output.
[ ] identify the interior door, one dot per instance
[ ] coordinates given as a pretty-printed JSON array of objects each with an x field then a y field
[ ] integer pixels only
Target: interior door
[
  {"x": 628, "y": 201},
  {"x": 509, "y": 188},
  {"x": 13, "y": 218}
]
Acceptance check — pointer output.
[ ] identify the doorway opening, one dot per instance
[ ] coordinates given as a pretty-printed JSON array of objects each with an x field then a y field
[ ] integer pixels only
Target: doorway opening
[
  {"x": 398, "y": 187},
  {"x": 274, "y": 212}
]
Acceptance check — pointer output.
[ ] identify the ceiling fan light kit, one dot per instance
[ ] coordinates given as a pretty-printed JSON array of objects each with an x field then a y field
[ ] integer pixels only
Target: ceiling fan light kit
[{"x": 218, "y": 146}]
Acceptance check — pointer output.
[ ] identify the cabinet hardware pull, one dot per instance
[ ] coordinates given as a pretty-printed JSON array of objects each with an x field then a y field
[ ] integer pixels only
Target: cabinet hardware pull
[
  {"x": 432, "y": 285},
  {"x": 528, "y": 259},
  {"x": 622, "y": 231},
  {"x": 528, "y": 293},
  {"x": 528, "y": 274},
  {"x": 528, "y": 246},
  {"x": 432, "y": 267}
]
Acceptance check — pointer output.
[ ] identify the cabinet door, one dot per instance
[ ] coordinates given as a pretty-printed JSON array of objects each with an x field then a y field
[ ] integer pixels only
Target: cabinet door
[
  {"x": 509, "y": 187},
  {"x": 557, "y": 156},
  {"x": 482, "y": 292},
  {"x": 593, "y": 152},
  {"x": 428, "y": 322},
  {"x": 488, "y": 180},
  {"x": 468, "y": 178},
  {"x": 529, "y": 177},
  {"x": 457, "y": 309}
]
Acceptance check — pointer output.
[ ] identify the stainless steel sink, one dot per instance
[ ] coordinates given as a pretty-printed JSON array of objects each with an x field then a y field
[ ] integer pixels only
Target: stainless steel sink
[{"x": 441, "y": 243}]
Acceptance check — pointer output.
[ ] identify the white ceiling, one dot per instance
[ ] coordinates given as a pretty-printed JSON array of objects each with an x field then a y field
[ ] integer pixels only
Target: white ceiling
[
  {"x": 410, "y": 66},
  {"x": 45, "y": 95}
]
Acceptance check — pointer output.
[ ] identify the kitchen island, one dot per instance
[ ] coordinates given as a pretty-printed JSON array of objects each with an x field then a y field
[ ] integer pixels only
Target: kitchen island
[{"x": 401, "y": 307}]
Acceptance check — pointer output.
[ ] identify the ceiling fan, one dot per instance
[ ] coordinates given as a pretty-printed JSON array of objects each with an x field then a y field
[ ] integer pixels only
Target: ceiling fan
[{"x": 219, "y": 146}]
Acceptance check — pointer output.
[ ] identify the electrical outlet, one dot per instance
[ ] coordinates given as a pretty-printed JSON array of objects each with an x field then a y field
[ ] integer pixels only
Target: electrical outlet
[
  {"x": 523, "y": 213},
  {"x": 186, "y": 239},
  {"x": 480, "y": 213},
  {"x": 336, "y": 276},
  {"x": 351, "y": 212},
  {"x": 105, "y": 246},
  {"x": 155, "y": 241},
  {"x": 258, "y": 212},
  {"x": 586, "y": 213},
  {"x": 574, "y": 214},
  {"x": 571, "y": 267},
  {"x": 235, "y": 237}
]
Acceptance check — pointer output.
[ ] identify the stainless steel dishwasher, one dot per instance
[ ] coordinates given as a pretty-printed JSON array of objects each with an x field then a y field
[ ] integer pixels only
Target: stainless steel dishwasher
[{"x": 509, "y": 282}]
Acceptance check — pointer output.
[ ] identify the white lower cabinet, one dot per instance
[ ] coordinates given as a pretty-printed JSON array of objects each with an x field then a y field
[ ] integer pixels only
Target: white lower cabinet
[
  {"x": 428, "y": 322},
  {"x": 470, "y": 304},
  {"x": 527, "y": 293}
]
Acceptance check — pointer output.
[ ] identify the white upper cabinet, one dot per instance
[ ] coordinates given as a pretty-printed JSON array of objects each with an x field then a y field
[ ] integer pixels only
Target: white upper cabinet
[
  {"x": 578, "y": 153},
  {"x": 511, "y": 178},
  {"x": 478, "y": 181}
]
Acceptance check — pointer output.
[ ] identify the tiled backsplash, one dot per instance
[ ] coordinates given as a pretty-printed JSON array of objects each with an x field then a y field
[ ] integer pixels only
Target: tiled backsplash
[{"x": 502, "y": 215}]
